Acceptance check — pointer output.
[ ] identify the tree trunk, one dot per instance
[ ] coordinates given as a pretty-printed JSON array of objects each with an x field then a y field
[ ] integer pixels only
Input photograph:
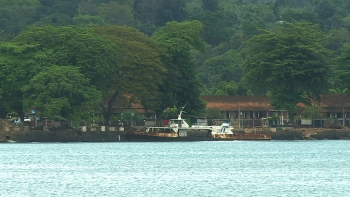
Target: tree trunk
[
  {"x": 292, "y": 118},
  {"x": 108, "y": 111},
  {"x": 21, "y": 116},
  {"x": 159, "y": 119}
]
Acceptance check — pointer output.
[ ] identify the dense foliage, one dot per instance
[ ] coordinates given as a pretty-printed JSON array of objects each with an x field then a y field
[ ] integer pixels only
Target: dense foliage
[
  {"x": 166, "y": 53},
  {"x": 61, "y": 92},
  {"x": 291, "y": 62}
]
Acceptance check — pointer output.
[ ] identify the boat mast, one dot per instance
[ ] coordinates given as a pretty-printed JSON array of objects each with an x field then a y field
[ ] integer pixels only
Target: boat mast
[{"x": 182, "y": 110}]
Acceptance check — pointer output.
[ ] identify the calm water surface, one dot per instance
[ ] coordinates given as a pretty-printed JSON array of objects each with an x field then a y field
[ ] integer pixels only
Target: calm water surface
[{"x": 239, "y": 168}]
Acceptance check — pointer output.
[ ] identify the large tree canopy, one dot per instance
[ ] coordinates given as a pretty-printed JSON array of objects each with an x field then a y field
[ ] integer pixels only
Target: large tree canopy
[
  {"x": 141, "y": 68},
  {"x": 61, "y": 93},
  {"x": 75, "y": 46},
  {"x": 221, "y": 69},
  {"x": 41, "y": 47},
  {"x": 182, "y": 84},
  {"x": 291, "y": 62},
  {"x": 18, "y": 64},
  {"x": 171, "y": 10},
  {"x": 227, "y": 24},
  {"x": 342, "y": 81}
]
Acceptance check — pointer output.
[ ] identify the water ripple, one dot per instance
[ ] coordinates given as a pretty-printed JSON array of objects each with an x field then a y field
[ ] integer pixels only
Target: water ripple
[{"x": 276, "y": 168}]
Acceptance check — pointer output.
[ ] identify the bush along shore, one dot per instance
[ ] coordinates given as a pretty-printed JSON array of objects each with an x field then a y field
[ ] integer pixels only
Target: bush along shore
[{"x": 311, "y": 134}]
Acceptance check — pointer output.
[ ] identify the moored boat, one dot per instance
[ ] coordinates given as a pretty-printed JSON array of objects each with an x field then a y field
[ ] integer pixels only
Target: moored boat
[{"x": 179, "y": 130}]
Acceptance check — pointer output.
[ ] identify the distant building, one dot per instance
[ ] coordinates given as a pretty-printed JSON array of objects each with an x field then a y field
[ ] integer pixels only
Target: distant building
[{"x": 249, "y": 109}]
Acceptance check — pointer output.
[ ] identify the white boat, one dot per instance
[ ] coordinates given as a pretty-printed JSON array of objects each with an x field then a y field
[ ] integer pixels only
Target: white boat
[
  {"x": 225, "y": 128},
  {"x": 179, "y": 129},
  {"x": 173, "y": 126}
]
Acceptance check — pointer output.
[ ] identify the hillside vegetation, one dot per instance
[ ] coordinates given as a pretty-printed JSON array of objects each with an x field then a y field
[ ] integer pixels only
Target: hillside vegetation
[{"x": 166, "y": 53}]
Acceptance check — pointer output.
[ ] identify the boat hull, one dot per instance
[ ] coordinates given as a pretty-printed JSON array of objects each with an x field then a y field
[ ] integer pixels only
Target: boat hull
[
  {"x": 182, "y": 135},
  {"x": 153, "y": 138},
  {"x": 192, "y": 136}
]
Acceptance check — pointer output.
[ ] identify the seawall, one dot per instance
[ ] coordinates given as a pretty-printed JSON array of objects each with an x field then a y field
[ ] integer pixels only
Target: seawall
[
  {"x": 311, "y": 134},
  {"x": 24, "y": 134}
]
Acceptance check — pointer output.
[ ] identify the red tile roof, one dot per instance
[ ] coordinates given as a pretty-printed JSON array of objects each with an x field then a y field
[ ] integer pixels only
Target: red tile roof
[
  {"x": 233, "y": 103},
  {"x": 329, "y": 103},
  {"x": 335, "y": 103}
]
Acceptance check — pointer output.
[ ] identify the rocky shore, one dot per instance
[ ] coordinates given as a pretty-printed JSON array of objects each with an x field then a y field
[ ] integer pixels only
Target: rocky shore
[
  {"x": 311, "y": 134},
  {"x": 22, "y": 134}
]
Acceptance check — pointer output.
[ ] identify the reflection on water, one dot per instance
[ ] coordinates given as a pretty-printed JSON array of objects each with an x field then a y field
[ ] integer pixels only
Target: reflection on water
[{"x": 284, "y": 168}]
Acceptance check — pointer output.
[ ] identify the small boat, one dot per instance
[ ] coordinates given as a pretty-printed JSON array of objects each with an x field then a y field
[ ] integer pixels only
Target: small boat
[{"x": 179, "y": 130}]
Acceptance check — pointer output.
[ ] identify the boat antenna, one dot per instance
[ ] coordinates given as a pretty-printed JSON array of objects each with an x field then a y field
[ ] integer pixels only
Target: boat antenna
[{"x": 182, "y": 110}]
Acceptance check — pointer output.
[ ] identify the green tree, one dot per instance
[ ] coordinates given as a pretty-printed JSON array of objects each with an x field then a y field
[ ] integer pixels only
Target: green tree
[
  {"x": 342, "y": 80},
  {"x": 210, "y": 5},
  {"x": 130, "y": 114},
  {"x": 141, "y": 69},
  {"x": 56, "y": 19},
  {"x": 4, "y": 3},
  {"x": 3, "y": 111},
  {"x": 291, "y": 62},
  {"x": 229, "y": 88},
  {"x": 67, "y": 7},
  {"x": 40, "y": 47},
  {"x": 86, "y": 7},
  {"x": 117, "y": 14},
  {"x": 56, "y": 12},
  {"x": 145, "y": 10},
  {"x": 88, "y": 21},
  {"x": 61, "y": 93},
  {"x": 145, "y": 14},
  {"x": 312, "y": 112},
  {"x": 299, "y": 14},
  {"x": 75, "y": 46},
  {"x": 171, "y": 10},
  {"x": 182, "y": 84},
  {"x": 280, "y": 4},
  {"x": 16, "y": 15},
  {"x": 221, "y": 68},
  {"x": 216, "y": 27},
  {"x": 5, "y": 37},
  {"x": 171, "y": 113},
  {"x": 18, "y": 64},
  {"x": 325, "y": 9},
  {"x": 255, "y": 16}
]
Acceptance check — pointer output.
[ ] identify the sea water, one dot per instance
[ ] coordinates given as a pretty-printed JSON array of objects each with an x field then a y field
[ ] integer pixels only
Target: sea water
[{"x": 236, "y": 168}]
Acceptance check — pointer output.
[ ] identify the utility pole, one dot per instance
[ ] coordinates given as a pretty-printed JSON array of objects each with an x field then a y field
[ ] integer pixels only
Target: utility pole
[
  {"x": 132, "y": 114},
  {"x": 343, "y": 117},
  {"x": 239, "y": 116}
]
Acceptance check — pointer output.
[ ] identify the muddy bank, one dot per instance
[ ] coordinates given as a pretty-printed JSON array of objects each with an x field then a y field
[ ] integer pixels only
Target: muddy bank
[
  {"x": 311, "y": 134},
  {"x": 330, "y": 134},
  {"x": 287, "y": 135},
  {"x": 68, "y": 135},
  {"x": 97, "y": 135}
]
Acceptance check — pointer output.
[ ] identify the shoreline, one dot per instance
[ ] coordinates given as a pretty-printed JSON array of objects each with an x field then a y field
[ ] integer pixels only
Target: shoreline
[{"x": 75, "y": 135}]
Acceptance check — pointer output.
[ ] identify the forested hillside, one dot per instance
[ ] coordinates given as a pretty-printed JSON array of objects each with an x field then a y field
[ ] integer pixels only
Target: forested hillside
[{"x": 186, "y": 48}]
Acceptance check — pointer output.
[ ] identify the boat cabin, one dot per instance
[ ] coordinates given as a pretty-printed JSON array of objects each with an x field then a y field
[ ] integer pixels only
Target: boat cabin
[{"x": 178, "y": 123}]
